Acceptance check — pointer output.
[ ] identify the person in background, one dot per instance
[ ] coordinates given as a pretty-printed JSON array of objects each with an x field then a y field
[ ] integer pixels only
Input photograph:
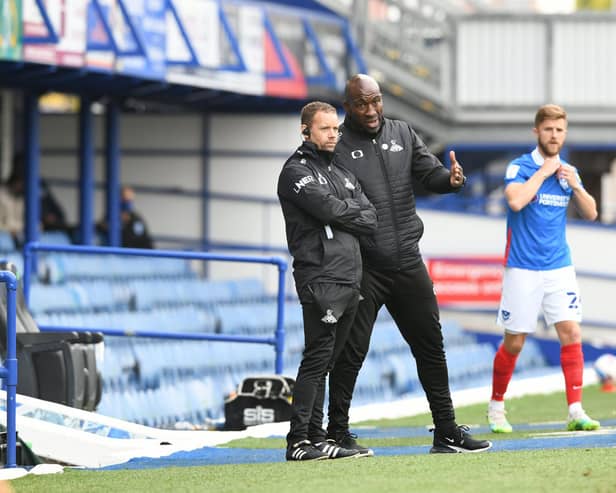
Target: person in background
[
  {"x": 53, "y": 217},
  {"x": 12, "y": 205},
  {"x": 539, "y": 274},
  {"x": 324, "y": 211},
  {"x": 135, "y": 232},
  {"x": 386, "y": 155}
]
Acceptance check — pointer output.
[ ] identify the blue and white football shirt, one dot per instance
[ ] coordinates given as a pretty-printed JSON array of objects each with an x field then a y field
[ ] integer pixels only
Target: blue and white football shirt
[{"x": 536, "y": 237}]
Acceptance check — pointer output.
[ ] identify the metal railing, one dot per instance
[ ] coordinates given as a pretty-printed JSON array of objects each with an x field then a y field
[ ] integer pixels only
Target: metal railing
[
  {"x": 8, "y": 371},
  {"x": 277, "y": 341}
]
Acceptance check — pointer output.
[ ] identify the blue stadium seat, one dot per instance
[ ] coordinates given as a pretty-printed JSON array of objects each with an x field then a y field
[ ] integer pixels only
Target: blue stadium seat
[
  {"x": 247, "y": 290},
  {"x": 65, "y": 266},
  {"x": 403, "y": 373},
  {"x": 386, "y": 338},
  {"x": 7, "y": 243},
  {"x": 454, "y": 335},
  {"x": 531, "y": 357},
  {"x": 293, "y": 317},
  {"x": 54, "y": 238},
  {"x": 50, "y": 298},
  {"x": 370, "y": 380},
  {"x": 470, "y": 363},
  {"x": 212, "y": 292}
]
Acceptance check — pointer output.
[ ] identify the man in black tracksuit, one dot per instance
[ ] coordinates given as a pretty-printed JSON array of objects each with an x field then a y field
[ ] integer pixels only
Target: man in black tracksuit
[
  {"x": 325, "y": 212},
  {"x": 385, "y": 155}
]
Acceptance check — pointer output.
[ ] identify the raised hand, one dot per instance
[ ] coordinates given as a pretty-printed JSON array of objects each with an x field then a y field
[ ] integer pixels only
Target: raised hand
[
  {"x": 550, "y": 166},
  {"x": 568, "y": 173},
  {"x": 456, "y": 173}
]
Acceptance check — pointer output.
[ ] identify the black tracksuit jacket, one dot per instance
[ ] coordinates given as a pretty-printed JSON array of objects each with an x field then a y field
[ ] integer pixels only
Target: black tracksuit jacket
[
  {"x": 384, "y": 164},
  {"x": 324, "y": 211}
]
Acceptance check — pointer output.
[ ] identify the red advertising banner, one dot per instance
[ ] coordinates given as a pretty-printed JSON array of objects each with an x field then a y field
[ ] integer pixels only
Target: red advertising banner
[{"x": 467, "y": 281}]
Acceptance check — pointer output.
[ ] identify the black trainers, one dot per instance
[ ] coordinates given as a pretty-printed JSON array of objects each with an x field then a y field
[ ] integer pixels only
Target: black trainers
[
  {"x": 305, "y": 450},
  {"x": 334, "y": 451},
  {"x": 348, "y": 441},
  {"x": 459, "y": 441}
]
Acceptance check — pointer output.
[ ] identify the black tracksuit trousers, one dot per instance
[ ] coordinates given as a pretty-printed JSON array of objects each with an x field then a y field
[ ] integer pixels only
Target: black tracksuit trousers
[
  {"x": 323, "y": 343},
  {"x": 410, "y": 299}
]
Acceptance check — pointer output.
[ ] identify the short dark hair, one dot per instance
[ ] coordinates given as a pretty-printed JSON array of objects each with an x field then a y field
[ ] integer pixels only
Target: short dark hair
[
  {"x": 312, "y": 109},
  {"x": 549, "y": 112}
]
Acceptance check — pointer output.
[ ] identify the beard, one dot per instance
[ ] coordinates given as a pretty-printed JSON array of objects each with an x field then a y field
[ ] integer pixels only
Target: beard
[{"x": 548, "y": 148}]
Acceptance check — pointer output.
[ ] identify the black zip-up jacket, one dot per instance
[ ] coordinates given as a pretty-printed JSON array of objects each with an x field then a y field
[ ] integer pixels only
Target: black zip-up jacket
[
  {"x": 325, "y": 211},
  {"x": 384, "y": 163}
]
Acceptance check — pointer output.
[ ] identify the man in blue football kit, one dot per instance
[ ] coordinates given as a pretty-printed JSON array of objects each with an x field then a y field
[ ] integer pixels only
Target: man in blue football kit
[{"x": 539, "y": 274}]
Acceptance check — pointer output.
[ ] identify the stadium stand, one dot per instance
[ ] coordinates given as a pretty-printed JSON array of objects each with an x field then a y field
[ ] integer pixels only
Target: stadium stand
[{"x": 170, "y": 383}]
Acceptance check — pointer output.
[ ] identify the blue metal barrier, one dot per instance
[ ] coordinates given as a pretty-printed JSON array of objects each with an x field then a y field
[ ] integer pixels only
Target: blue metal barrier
[
  {"x": 277, "y": 341},
  {"x": 8, "y": 372}
]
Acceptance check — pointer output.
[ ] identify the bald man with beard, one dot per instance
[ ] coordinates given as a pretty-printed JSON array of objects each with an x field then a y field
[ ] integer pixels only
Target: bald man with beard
[{"x": 386, "y": 155}]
